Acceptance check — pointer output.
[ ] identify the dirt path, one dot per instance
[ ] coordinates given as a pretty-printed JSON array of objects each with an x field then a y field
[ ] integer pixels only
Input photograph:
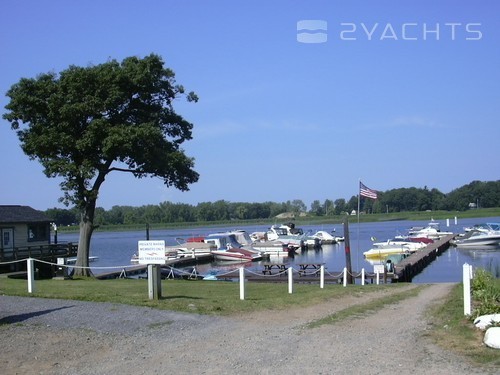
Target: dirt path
[{"x": 71, "y": 337}]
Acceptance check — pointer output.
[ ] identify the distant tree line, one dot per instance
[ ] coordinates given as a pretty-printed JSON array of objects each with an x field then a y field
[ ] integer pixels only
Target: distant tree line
[{"x": 476, "y": 194}]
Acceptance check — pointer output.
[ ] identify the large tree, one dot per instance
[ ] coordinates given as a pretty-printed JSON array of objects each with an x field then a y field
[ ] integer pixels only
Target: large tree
[{"x": 87, "y": 122}]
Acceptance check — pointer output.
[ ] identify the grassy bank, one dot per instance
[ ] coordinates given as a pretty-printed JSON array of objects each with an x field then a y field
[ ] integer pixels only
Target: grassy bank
[
  {"x": 214, "y": 298},
  {"x": 454, "y": 331}
]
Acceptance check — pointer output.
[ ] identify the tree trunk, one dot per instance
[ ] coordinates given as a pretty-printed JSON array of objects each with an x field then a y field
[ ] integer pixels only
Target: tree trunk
[{"x": 86, "y": 229}]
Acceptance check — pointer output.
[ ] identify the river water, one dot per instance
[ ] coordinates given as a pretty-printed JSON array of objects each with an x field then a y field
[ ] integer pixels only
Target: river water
[{"x": 114, "y": 249}]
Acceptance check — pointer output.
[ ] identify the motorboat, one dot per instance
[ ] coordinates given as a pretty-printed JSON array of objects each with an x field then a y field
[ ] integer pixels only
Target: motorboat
[
  {"x": 228, "y": 248},
  {"x": 326, "y": 238},
  {"x": 278, "y": 241},
  {"x": 287, "y": 233},
  {"x": 389, "y": 247},
  {"x": 193, "y": 248},
  {"x": 431, "y": 231},
  {"x": 235, "y": 254},
  {"x": 487, "y": 234}
]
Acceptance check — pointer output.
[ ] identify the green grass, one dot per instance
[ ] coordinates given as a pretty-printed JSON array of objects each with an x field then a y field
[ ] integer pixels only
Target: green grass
[
  {"x": 205, "y": 297},
  {"x": 454, "y": 331}
]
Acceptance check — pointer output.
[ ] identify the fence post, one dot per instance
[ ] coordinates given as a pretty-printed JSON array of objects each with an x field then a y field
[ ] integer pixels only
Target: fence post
[
  {"x": 154, "y": 281},
  {"x": 31, "y": 275},
  {"x": 290, "y": 280},
  {"x": 242, "y": 283},
  {"x": 466, "y": 281},
  {"x": 322, "y": 277},
  {"x": 345, "y": 276},
  {"x": 362, "y": 276}
]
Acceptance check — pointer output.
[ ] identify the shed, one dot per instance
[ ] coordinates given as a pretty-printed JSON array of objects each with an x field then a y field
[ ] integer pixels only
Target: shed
[{"x": 21, "y": 227}]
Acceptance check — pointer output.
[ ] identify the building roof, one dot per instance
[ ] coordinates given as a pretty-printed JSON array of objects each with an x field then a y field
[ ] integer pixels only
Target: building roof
[{"x": 21, "y": 214}]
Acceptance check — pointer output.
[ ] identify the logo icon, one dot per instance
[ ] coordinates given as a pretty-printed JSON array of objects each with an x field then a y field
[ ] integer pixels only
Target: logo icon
[{"x": 312, "y": 31}]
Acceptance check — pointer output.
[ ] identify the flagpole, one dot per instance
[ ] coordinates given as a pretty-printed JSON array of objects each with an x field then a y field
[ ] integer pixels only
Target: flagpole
[{"x": 357, "y": 247}]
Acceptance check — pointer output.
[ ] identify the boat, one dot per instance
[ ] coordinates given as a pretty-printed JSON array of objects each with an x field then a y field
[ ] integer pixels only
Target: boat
[
  {"x": 431, "y": 231},
  {"x": 192, "y": 248},
  {"x": 228, "y": 248},
  {"x": 487, "y": 234},
  {"x": 395, "y": 258},
  {"x": 73, "y": 260},
  {"x": 287, "y": 233},
  {"x": 389, "y": 247},
  {"x": 234, "y": 254},
  {"x": 326, "y": 238}
]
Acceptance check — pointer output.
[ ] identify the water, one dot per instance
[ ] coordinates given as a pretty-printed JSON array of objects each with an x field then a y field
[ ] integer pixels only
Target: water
[{"x": 115, "y": 249}]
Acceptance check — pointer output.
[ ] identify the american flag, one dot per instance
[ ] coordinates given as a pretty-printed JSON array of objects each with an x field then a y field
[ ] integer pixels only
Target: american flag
[{"x": 366, "y": 192}]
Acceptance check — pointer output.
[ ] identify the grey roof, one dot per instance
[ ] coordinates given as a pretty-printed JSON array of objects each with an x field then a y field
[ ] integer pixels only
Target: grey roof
[{"x": 21, "y": 214}]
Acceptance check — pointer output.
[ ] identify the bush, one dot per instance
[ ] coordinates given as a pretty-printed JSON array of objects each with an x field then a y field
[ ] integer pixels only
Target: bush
[{"x": 485, "y": 294}]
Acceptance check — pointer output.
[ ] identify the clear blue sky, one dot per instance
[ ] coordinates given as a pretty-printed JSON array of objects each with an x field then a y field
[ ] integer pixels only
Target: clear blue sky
[{"x": 387, "y": 98}]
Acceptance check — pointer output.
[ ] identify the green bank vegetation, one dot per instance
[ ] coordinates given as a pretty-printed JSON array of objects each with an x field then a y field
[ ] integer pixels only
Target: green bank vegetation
[
  {"x": 306, "y": 220},
  {"x": 213, "y": 298},
  {"x": 454, "y": 331}
]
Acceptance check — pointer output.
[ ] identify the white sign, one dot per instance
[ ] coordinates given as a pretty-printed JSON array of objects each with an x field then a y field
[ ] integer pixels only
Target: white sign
[
  {"x": 378, "y": 268},
  {"x": 151, "y": 252}
]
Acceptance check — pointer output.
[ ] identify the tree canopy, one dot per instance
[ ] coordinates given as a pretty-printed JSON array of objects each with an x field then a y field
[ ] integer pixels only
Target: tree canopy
[
  {"x": 87, "y": 122},
  {"x": 486, "y": 194}
]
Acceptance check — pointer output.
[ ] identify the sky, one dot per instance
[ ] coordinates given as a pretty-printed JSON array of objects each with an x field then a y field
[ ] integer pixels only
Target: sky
[{"x": 298, "y": 100}]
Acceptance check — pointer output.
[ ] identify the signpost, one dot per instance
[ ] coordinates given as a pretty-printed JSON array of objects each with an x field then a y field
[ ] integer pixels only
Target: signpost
[{"x": 152, "y": 253}]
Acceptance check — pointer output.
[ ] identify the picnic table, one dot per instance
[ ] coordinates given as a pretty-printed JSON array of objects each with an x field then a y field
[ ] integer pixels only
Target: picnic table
[
  {"x": 309, "y": 268},
  {"x": 269, "y": 267}
]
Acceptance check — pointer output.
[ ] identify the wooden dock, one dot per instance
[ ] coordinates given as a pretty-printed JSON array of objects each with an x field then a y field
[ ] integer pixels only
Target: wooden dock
[
  {"x": 140, "y": 269},
  {"x": 411, "y": 266}
]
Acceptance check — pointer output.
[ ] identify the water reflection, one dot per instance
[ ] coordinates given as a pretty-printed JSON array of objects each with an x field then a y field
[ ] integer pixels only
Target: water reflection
[{"x": 115, "y": 249}]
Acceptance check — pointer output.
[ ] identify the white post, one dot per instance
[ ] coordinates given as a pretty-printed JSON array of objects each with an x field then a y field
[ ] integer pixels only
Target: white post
[
  {"x": 466, "y": 281},
  {"x": 447, "y": 222},
  {"x": 378, "y": 278},
  {"x": 362, "y": 276},
  {"x": 345, "y": 276},
  {"x": 154, "y": 281},
  {"x": 31, "y": 275},
  {"x": 242, "y": 283},
  {"x": 322, "y": 277},
  {"x": 455, "y": 220},
  {"x": 290, "y": 280}
]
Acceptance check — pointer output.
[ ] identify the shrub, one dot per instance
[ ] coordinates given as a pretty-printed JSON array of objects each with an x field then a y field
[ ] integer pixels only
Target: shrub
[{"x": 485, "y": 294}]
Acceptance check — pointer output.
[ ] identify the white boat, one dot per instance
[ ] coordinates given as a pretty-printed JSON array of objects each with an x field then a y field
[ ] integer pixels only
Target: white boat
[
  {"x": 487, "y": 234},
  {"x": 325, "y": 238},
  {"x": 278, "y": 245},
  {"x": 431, "y": 231},
  {"x": 274, "y": 248},
  {"x": 383, "y": 249},
  {"x": 192, "y": 248},
  {"x": 287, "y": 233}
]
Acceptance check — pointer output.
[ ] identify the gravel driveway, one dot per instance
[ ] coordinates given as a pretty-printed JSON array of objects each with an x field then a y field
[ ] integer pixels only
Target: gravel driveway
[{"x": 43, "y": 336}]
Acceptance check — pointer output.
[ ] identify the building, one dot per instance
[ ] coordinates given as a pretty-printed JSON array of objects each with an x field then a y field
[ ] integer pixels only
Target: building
[{"x": 22, "y": 227}]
